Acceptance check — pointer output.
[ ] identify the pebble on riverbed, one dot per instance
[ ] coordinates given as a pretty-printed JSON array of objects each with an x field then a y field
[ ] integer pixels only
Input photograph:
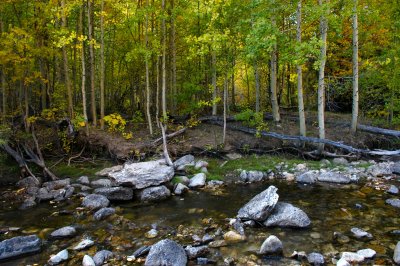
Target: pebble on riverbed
[
  {"x": 59, "y": 257},
  {"x": 64, "y": 232},
  {"x": 271, "y": 246}
]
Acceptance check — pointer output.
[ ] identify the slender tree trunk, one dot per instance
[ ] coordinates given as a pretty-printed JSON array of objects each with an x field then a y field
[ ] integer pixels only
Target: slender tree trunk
[
  {"x": 173, "y": 58},
  {"x": 233, "y": 84},
  {"x": 147, "y": 71},
  {"x": 225, "y": 107},
  {"x": 85, "y": 116},
  {"x": 164, "y": 71},
  {"x": 214, "y": 81},
  {"x": 4, "y": 95},
  {"x": 273, "y": 82},
  {"x": 354, "y": 119},
  {"x": 302, "y": 119},
  {"x": 158, "y": 92},
  {"x": 66, "y": 64},
  {"x": 321, "y": 79},
  {"x": 257, "y": 79},
  {"x": 102, "y": 67},
  {"x": 92, "y": 67}
]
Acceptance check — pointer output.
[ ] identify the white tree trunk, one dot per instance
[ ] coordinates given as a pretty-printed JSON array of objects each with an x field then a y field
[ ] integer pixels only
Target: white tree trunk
[
  {"x": 321, "y": 79},
  {"x": 225, "y": 108},
  {"x": 273, "y": 82},
  {"x": 164, "y": 71},
  {"x": 102, "y": 67},
  {"x": 257, "y": 80},
  {"x": 354, "y": 120},
  {"x": 147, "y": 73},
  {"x": 302, "y": 119},
  {"x": 214, "y": 82},
  {"x": 66, "y": 64},
  {"x": 92, "y": 66},
  {"x": 85, "y": 117}
]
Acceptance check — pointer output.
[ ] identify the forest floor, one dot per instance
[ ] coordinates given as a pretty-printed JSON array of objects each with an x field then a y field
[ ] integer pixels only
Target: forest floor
[{"x": 206, "y": 139}]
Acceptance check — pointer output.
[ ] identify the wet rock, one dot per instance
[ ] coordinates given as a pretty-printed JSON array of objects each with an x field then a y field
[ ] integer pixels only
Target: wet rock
[
  {"x": 197, "y": 181},
  {"x": 84, "y": 244},
  {"x": 102, "y": 256},
  {"x": 381, "y": 169},
  {"x": 204, "y": 261},
  {"x": 217, "y": 244},
  {"x": 140, "y": 252},
  {"x": 194, "y": 252},
  {"x": 238, "y": 226},
  {"x": 57, "y": 184},
  {"x": 44, "y": 195},
  {"x": 299, "y": 255},
  {"x": 367, "y": 253},
  {"x": 32, "y": 191},
  {"x": 393, "y": 190},
  {"x": 342, "y": 262},
  {"x": 85, "y": 188},
  {"x": 341, "y": 161},
  {"x": 27, "y": 182},
  {"x": 359, "y": 233},
  {"x": 63, "y": 193},
  {"x": 200, "y": 164},
  {"x": 115, "y": 193},
  {"x": 151, "y": 194},
  {"x": 341, "y": 238},
  {"x": 183, "y": 179},
  {"x": 59, "y": 257},
  {"x": 95, "y": 201},
  {"x": 272, "y": 245},
  {"x": 333, "y": 177},
  {"x": 88, "y": 261},
  {"x": 107, "y": 171},
  {"x": 396, "y": 168},
  {"x": 215, "y": 183},
  {"x": 166, "y": 252},
  {"x": 309, "y": 177},
  {"x": 27, "y": 204},
  {"x": 84, "y": 180},
  {"x": 396, "y": 255},
  {"x": 64, "y": 232},
  {"x": 352, "y": 257},
  {"x": 260, "y": 207},
  {"x": 393, "y": 202},
  {"x": 19, "y": 246},
  {"x": 103, "y": 213},
  {"x": 184, "y": 161},
  {"x": 143, "y": 175},
  {"x": 286, "y": 215},
  {"x": 207, "y": 239},
  {"x": 252, "y": 176},
  {"x": 151, "y": 233},
  {"x": 101, "y": 183},
  {"x": 180, "y": 189},
  {"x": 233, "y": 237},
  {"x": 315, "y": 258}
]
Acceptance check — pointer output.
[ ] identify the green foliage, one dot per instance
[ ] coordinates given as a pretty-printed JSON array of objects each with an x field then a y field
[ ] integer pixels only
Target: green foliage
[
  {"x": 115, "y": 123},
  {"x": 253, "y": 119}
]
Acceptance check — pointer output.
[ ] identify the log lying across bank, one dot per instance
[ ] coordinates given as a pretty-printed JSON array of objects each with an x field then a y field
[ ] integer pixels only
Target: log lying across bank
[{"x": 299, "y": 139}]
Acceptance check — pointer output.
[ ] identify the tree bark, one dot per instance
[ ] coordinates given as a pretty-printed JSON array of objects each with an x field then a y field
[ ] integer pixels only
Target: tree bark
[
  {"x": 321, "y": 79},
  {"x": 83, "y": 87},
  {"x": 354, "y": 119},
  {"x": 102, "y": 67},
  {"x": 214, "y": 82},
  {"x": 164, "y": 71},
  {"x": 173, "y": 58},
  {"x": 92, "y": 67},
  {"x": 225, "y": 107},
  {"x": 66, "y": 64},
  {"x": 257, "y": 79},
  {"x": 147, "y": 71},
  {"x": 302, "y": 119},
  {"x": 273, "y": 82},
  {"x": 4, "y": 95}
]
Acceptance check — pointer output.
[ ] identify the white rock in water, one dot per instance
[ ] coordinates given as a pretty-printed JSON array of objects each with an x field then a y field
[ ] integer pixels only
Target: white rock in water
[
  {"x": 367, "y": 253},
  {"x": 88, "y": 261},
  {"x": 84, "y": 244},
  {"x": 59, "y": 257}
]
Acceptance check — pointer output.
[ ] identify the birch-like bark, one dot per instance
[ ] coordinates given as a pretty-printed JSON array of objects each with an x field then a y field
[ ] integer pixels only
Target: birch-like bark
[
  {"x": 257, "y": 79},
  {"x": 214, "y": 81},
  {"x": 147, "y": 72},
  {"x": 302, "y": 119},
  {"x": 92, "y": 67},
  {"x": 66, "y": 64},
  {"x": 273, "y": 82},
  {"x": 85, "y": 116},
  {"x": 102, "y": 66},
  {"x": 321, "y": 79},
  {"x": 354, "y": 120},
  {"x": 163, "y": 70}
]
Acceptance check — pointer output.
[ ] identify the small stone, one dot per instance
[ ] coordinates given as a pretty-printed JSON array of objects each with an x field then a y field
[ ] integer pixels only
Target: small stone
[
  {"x": 64, "y": 232},
  {"x": 183, "y": 179},
  {"x": 315, "y": 258},
  {"x": 180, "y": 189},
  {"x": 103, "y": 213},
  {"x": 140, "y": 252},
  {"x": 95, "y": 201},
  {"x": 217, "y": 244},
  {"x": 99, "y": 183},
  {"x": 340, "y": 161},
  {"x": 19, "y": 246},
  {"x": 367, "y": 253},
  {"x": 184, "y": 161},
  {"x": 396, "y": 255},
  {"x": 233, "y": 237},
  {"x": 200, "y": 164},
  {"x": 359, "y": 233},
  {"x": 59, "y": 257},
  {"x": 151, "y": 234},
  {"x": 194, "y": 252},
  {"x": 309, "y": 177},
  {"x": 102, "y": 256},
  {"x": 352, "y": 257},
  {"x": 166, "y": 252},
  {"x": 315, "y": 235},
  {"x": 393, "y": 202},
  {"x": 197, "y": 181},
  {"x": 88, "y": 261},
  {"x": 84, "y": 180},
  {"x": 152, "y": 194},
  {"x": 86, "y": 243},
  {"x": 342, "y": 262},
  {"x": 272, "y": 245},
  {"x": 393, "y": 190}
]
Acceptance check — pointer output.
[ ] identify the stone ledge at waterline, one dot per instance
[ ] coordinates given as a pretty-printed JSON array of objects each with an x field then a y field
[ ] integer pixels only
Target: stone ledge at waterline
[{"x": 19, "y": 246}]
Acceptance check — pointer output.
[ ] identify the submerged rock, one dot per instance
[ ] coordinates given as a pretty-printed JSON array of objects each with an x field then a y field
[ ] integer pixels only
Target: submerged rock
[
  {"x": 151, "y": 194},
  {"x": 28, "y": 203},
  {"x": 103, "y": 213},
  {"x": 315, "y": 258},
  {"x": 309, "y": 177},
  {"x": 260, "y": 207},
  {"x": 88, "y": 261},
  {"x": 352, "y": 257},
  {"x": 393, "y": 202},
  {"x": 95, "y": 201},
  {"x": 286, "y": 215},
  {"x": 166, "y": 252},
  {"x": 143, "y": 175},
  {"x": 151, "y": 233},
  {"x": 197, "y": 181},
  {"x": 359, "y": 233},
  {"x": 333, "y": 177},
  {"x": 396, "y": 255},
  {"x": 367, "y": 253},
  {"x": 59, "y": 257},
  {"x": 233, "y": 237},
  {"x": 115, "y": 193},
  {"x": 86, "y": 243},
  {"x": 19, "y": 246},
  {"x": 102, "y": 256},
  {"x": 64, "y": 232},
  {"x": 194, "y": 252},
  {"x": 393, "y": 190},
  {"x": 272, "y": 245}
]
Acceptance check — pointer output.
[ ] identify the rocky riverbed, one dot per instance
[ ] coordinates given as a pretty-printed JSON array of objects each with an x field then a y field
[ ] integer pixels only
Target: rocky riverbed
[{"x": 287, "y": 216}]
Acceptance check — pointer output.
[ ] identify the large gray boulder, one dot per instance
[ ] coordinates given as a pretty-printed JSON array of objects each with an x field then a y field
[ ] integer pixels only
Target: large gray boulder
[
  {"x": 260, "y": 207},
  {"x": 19, "y": 246},
  {"x": 271, "y": 245},
  {"x": 396, "y": 255},
  {"x": 286, "y": 215},
  {"x": 309, "y": 177},
  {"x": 109, "y": 170},
  {"x": 143, "y": 175},
  {"x": 166, "y": 252},
  {"x": 151, "y": 194},
  {"x": 333, "y": 177},
  {"x": 115, "y": 193},
  {"x": 95, "y": 201}
]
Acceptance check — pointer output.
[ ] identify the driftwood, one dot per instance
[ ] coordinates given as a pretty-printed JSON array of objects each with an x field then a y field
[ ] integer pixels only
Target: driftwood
[
  {"x": 165, "y": 147},
  {"x": 169, "y": 136},
  {"x": 299, "y": 139}
]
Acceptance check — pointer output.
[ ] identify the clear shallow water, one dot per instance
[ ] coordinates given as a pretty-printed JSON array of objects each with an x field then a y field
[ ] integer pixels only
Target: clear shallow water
[{"x": 330, "y": 208}]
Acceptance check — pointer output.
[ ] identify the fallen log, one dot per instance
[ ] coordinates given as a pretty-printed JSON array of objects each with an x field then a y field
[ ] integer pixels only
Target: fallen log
[{"x": 159, "y": 141}]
